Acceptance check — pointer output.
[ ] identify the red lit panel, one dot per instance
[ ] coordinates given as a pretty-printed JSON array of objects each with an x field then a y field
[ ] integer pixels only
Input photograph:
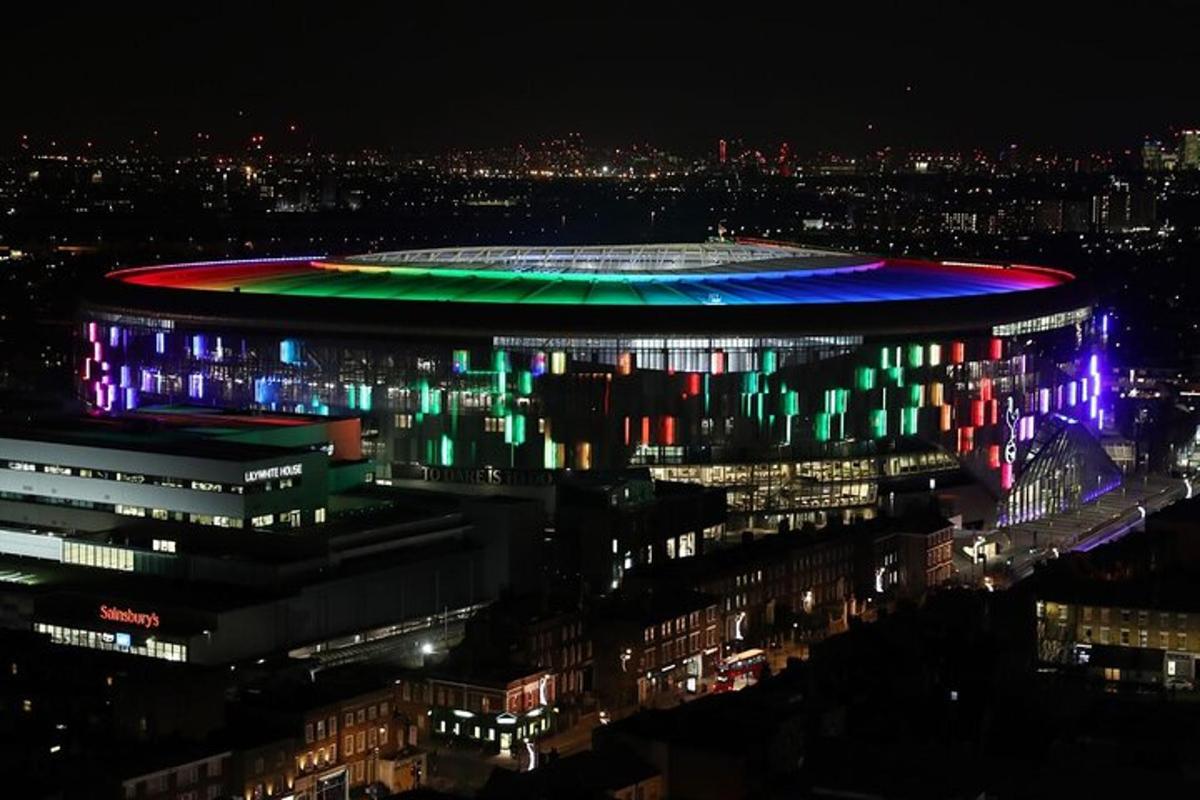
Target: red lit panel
[
  {"x": 976, "y": 412},
  {"x": 668, "y": 430}
]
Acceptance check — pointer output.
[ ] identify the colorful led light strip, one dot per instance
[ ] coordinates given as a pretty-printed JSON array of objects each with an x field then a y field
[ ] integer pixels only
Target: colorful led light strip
[{"x": 863, "y": 282}]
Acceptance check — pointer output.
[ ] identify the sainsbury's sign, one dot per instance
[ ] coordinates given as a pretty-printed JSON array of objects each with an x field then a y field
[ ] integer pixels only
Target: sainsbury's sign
[{"x": 128, "y": 616}]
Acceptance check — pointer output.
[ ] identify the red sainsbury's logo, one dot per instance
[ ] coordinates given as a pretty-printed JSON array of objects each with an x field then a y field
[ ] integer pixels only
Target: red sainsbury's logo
[{"x": 129, "y": 616}]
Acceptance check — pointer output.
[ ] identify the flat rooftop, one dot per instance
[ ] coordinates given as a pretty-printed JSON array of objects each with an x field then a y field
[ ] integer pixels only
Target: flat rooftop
[{"x": 142, "y": 436}]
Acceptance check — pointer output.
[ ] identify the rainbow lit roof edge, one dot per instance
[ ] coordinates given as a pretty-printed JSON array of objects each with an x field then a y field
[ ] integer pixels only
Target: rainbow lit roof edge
[{"x": 781, "y": 277}]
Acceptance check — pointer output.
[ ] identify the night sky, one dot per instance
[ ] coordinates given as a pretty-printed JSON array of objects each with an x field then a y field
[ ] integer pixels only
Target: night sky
[{"x": 923, "y": 75}]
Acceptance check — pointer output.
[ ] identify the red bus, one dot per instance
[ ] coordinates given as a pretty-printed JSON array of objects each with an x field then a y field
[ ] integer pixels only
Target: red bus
[{"x": 740, "y": 670}]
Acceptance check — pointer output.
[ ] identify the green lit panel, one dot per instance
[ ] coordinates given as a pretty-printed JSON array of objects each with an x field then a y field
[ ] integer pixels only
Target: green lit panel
[
  {"x": 550, "y": 454},
  {"x": 514, "y": 429},
  {"x": 428, "y": 289},
  {"x": 878, "y": 423},
  {"x": 613, "y": 293},
  {"x": 790, "y": 402},
  {"x": 424, "y": 289},
  {"x": 842, "y": 400},
  {"x": 497, "y": 291},
  {"x": 350, "y": 286},
  {"x": 821, "y": 427},
  {"x": 557, "y": 292},
  {"x": 524, "y": 382},
  {"x": 864, "y": 378},
  {"x": 770, "y": 361}
]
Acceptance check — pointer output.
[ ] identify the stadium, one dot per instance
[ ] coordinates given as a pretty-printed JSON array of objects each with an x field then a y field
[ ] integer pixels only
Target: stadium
[{"x": 806, "y": 382}]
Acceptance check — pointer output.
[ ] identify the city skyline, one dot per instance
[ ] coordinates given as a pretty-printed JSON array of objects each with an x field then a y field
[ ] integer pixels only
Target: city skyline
[{"x": 895, "y": 77}]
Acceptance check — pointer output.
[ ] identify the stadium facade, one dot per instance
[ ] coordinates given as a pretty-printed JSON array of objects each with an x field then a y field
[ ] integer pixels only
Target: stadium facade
[{"x": 802, "y": 380}]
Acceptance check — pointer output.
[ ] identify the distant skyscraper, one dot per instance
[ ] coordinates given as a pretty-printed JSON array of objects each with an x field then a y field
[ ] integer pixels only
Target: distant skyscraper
[
  {"x": 1143, "y": 208},
  {"x": 1152, "y": 155},
  {"x": 963, "y": 221},
  {"x": 1189, "y": 149},
  {"x": 1111, "y": 209},
  {"x": 1100, "y": 212},
  {"x": 722, "y": 151}
]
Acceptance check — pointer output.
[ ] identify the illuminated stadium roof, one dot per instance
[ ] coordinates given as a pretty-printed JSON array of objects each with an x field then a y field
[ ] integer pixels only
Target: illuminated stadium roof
[
  {"x": 610, "y": 283},
  {"x": 650, "y": 258},
  {"x": 667, "y": 275}
]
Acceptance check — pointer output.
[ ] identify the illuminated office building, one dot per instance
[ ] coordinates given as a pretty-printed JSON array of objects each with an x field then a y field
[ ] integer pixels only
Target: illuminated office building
[{"x": 200, "y": 536}]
